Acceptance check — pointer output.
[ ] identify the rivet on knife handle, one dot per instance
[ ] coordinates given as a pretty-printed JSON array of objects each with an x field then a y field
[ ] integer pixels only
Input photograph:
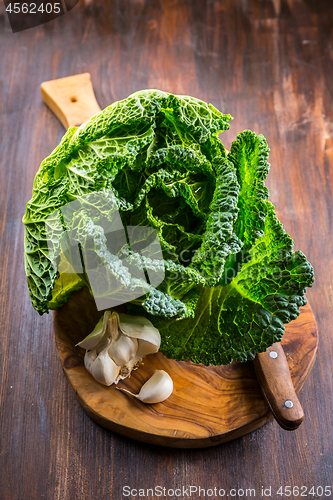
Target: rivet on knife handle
[{"x": 276, "y": 384}]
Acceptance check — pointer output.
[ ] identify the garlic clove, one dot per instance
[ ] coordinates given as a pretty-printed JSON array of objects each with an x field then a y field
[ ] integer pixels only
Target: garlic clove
[
  {"x": 123, "y": 349},
  {"x": 139, "y": 328},
  {"x": 89, "y": 359},
  {"x": 91, "y": 341},
  {"x": 145, "y": 348},
  {"x": 101, "y": 367},
  {"x": 157, "y": 389}
]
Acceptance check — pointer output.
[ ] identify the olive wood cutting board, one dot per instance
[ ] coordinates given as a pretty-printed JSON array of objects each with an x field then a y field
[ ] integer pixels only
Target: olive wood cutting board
[{"x": 209, "y": 405}]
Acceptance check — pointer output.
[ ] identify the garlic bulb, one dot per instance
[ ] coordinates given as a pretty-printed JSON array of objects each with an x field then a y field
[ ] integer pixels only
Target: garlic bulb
[
  {"x": 158, "y": 388},
  {"x": 117, "y": 345}
]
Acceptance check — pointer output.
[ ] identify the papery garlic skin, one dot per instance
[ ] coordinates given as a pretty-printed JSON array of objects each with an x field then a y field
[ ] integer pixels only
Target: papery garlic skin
[
  {"x": 93, "y": 339},
  {"x": 117, "y": 345},
  {"x": 157, "y": 389}
]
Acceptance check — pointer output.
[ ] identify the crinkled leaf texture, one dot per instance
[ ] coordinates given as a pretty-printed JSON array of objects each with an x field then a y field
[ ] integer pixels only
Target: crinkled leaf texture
[{"x": 231, "y": 277}]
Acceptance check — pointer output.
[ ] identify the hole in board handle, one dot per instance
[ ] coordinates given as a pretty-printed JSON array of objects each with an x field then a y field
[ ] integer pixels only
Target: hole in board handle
[{"x": 73, "y": 99}]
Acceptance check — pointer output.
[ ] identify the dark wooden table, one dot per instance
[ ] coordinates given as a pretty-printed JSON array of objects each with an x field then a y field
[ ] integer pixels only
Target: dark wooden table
[{"x": 269, "y": 64}]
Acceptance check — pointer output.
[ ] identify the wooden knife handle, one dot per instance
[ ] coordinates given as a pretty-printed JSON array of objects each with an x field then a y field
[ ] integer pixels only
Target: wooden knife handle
[
  {"x": 71, "y": 99},
  {"x": 273, "y": 374}
]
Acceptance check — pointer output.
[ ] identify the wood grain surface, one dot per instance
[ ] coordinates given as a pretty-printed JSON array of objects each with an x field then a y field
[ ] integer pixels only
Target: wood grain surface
[
  {"x": 209, "y": 405},
  {"x": 270, "y": 64},
  {"x": 71, "y": 99}
]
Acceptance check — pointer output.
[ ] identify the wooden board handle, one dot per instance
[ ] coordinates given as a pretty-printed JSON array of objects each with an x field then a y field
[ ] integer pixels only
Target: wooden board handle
[
  {"x": 273, "y": 374},
  {"x": 71, "y": 99}
]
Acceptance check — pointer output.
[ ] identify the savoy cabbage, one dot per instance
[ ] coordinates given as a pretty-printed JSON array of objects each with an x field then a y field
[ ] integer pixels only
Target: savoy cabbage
[{"x": 231, "y": 278}]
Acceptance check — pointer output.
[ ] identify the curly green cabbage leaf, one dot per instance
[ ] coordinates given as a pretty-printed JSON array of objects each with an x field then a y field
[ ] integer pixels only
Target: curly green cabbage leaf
[{"x": 230, "y": 277}]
